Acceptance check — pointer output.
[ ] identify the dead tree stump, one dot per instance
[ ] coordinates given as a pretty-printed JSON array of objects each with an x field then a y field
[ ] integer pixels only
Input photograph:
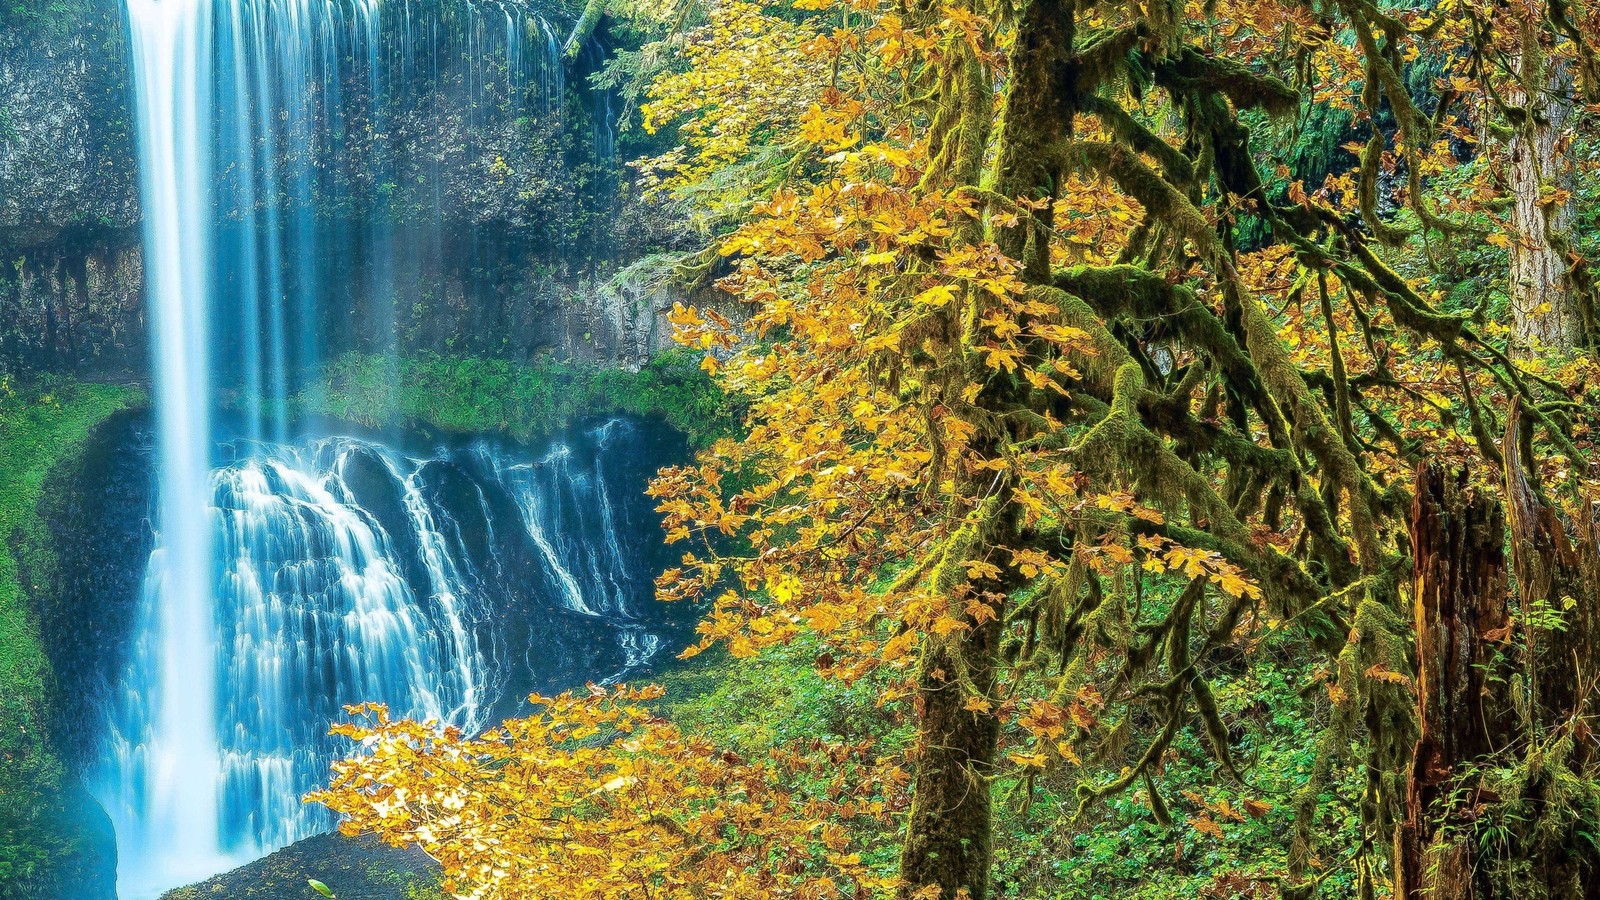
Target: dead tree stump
[{"x": 1460, "y": 589}]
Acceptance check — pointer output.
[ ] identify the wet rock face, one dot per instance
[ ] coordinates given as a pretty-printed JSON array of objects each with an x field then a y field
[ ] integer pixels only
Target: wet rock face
[
  {"x": 70, "y": 277},
  {"x": 66, "y": 146},
  {"x": 73, "y": 304},
  {"x": 451, "y": 227},
  {"x": 98, "y": 511}
]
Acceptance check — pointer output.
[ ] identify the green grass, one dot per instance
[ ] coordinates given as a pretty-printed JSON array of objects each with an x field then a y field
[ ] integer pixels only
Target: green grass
[
  {"x": 523, "y": 400},
  {"x": 774, "y": 699},
  {"x": 41, "y": 426}
]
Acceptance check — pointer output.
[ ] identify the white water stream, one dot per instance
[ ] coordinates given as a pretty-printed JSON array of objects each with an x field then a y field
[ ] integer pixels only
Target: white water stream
[{"x": 177, "y": 757}]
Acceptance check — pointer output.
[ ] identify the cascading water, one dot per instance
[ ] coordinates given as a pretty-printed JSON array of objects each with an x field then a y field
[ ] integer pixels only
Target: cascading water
[
  {"x": 342, "y": 117},
  {"x": 293, "y": 573},
  {"x": 346, "y": 572}
]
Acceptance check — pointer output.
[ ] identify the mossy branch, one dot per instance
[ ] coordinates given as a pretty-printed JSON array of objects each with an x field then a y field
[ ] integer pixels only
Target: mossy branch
[{"x": 588, "y": 21}]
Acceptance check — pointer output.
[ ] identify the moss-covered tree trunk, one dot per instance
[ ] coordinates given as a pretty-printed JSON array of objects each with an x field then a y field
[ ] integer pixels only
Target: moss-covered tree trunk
[
  {"x": 948, "y": 849},
  {"x": 1498, "y": 799},
  {"x": 593, "y": 10},
  {"x": 1557, "y": 568},
  {"x": 949, "y": 844},
  {"x": 1558, "y": 578},
  {"x": 1458, "y": 548}
]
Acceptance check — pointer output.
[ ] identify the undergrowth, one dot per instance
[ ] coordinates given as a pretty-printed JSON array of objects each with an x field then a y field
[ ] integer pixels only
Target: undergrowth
[
  {"x": 42, "y": 425},
  {"x": 1223, "y": 840}
]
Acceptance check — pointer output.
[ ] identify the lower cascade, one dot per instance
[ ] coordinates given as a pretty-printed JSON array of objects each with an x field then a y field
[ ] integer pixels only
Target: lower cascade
[{"x": 446, "y": 585}]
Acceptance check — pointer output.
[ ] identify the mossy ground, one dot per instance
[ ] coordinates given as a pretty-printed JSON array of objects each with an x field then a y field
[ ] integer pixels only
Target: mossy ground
[
  {"x": 523, "y": 400},
  {"x": 757, "y": 704},
  {"x": 354, "y": 869},
  {"x": 42, "y": 426}
]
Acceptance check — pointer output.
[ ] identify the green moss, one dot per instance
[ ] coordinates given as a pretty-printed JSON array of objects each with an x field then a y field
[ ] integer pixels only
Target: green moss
[
  {"x": 41, "y": 426},
  {"x": 758, "y": 704},
  {"x": 523, "y": 400},
  {"x": 47, "y": 17}
]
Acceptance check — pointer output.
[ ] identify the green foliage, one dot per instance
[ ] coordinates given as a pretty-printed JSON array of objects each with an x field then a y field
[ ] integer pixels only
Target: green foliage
[
  {"x": 525, "y": 401},
  {"x": 41, "y": 16},
  {"x": 777, "y": 699},
  {"x": 42, "y": 425},
  {"x": 1115, "y": 851},
  {"x": 1225, "y": 838},
  {"x": 774, "y": 699}
]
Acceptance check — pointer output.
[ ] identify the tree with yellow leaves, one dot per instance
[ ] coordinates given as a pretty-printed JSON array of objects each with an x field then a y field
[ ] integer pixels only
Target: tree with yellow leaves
[{"x": 595, "y": 797}]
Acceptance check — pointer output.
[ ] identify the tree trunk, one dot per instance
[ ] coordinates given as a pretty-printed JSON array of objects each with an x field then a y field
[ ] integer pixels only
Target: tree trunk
[
  {"x": 1558, "y": 582},
  {"x": 1544, "y": 311},
  {"x": 1562, "y": 574},
  {"x": 1039, "y": 111},
  {"x": 1460, "y": 587},
  {"x": 949, "y": 844}
]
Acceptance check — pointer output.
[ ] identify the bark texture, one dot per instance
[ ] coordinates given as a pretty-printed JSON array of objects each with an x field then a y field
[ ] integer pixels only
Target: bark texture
[
  {"x": 1561, "y": 572},
  {"x": 1545, "y": 312},
  {"x": 949, "y": 844},
  {"x": 1558, "y": 580},
  {"x": 1460, "y": 588}
]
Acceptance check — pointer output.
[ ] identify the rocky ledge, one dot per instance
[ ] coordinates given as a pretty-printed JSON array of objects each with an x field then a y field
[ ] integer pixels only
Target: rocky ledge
[{"x": 354, "y": 869}]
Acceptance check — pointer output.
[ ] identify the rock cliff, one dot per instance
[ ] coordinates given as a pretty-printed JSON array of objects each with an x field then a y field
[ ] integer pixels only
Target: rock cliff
[{"x": 504, "y": 235}]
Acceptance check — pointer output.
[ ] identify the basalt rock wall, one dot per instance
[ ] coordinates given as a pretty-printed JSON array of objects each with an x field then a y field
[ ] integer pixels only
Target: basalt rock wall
[{"x": 501, "y": 234}]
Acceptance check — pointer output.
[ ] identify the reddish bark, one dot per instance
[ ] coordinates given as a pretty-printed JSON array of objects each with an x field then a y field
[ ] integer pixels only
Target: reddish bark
[{"x": 1460, "y": 587}]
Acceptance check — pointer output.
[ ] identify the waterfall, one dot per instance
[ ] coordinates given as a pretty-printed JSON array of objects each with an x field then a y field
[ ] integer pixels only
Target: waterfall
[
  {"x": 446, "y": 585},
  {"x": 351, "y": 126},
  {"x": 174, "y": 752},
  {"x": 295, "y": 573}
]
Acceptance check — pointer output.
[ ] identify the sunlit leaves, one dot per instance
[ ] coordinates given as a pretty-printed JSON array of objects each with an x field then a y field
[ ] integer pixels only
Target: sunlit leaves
[{"x": 594, "y": 797}]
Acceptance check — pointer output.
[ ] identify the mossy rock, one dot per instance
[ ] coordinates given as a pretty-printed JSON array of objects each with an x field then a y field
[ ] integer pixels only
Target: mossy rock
[{"x": 354, "y": 869}]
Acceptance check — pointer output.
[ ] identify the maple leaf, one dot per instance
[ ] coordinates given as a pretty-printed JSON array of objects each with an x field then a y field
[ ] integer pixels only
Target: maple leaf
[
  {"x": 938, "y": 295},
  {"x": 999, "y": 357},
  {"x": 1030, "y": 760}
]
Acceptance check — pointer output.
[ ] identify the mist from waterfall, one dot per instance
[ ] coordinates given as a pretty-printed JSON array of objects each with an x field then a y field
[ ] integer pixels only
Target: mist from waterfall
[{"x": 295, "y": 572}]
